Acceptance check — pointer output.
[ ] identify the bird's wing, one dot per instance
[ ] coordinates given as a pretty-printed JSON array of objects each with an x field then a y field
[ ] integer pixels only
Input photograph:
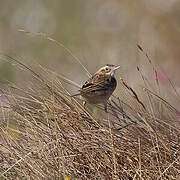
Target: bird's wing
[{"x": 95, "y": 83}]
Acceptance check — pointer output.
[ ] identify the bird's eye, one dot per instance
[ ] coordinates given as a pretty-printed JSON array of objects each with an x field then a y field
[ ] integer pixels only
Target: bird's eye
[{"x": 106, "y": 69}]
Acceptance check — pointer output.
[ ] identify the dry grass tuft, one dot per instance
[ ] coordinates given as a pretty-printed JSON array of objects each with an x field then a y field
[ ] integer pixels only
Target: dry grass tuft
[{"x": 48, "y": 135}]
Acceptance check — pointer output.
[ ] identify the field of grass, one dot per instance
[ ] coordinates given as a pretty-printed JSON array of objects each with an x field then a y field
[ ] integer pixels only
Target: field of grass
[{"x": 47, "y": 134}]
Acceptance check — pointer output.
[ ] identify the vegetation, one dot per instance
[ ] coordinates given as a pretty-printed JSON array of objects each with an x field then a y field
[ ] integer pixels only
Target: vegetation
[{"x": 48, "y": 135}]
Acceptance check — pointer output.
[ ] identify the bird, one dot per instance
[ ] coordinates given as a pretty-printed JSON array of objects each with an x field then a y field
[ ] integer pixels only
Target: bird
[{"x": 99, "y": 87}]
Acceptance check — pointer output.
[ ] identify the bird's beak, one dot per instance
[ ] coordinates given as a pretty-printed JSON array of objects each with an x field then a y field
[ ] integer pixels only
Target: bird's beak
[
  {"x": 113, "y": 71},
  {"x": 117, "y": 67}
]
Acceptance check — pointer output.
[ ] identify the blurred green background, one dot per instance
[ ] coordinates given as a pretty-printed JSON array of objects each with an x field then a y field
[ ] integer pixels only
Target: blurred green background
[{"x": 97, "y": 32}]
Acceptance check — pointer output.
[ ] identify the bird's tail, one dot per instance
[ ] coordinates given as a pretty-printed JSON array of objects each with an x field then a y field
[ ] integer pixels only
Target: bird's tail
[{"x": 78, "y": 94}]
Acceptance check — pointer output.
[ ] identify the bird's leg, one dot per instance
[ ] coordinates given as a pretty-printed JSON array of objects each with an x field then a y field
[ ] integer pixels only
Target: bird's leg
[
  {"x": 84, "y": 104},
  {"x": 105, "y": 106}
]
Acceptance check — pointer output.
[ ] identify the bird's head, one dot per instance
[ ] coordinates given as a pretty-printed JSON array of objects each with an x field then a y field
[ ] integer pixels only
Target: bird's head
[{"x": 108, "y": 69}]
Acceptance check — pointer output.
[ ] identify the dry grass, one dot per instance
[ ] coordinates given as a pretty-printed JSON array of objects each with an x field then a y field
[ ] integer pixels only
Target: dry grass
[{"x": 48, "y": 135}]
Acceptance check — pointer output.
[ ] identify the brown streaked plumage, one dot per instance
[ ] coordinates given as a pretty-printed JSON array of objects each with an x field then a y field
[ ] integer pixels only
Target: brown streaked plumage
[{"x": 100, "y": 86}]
